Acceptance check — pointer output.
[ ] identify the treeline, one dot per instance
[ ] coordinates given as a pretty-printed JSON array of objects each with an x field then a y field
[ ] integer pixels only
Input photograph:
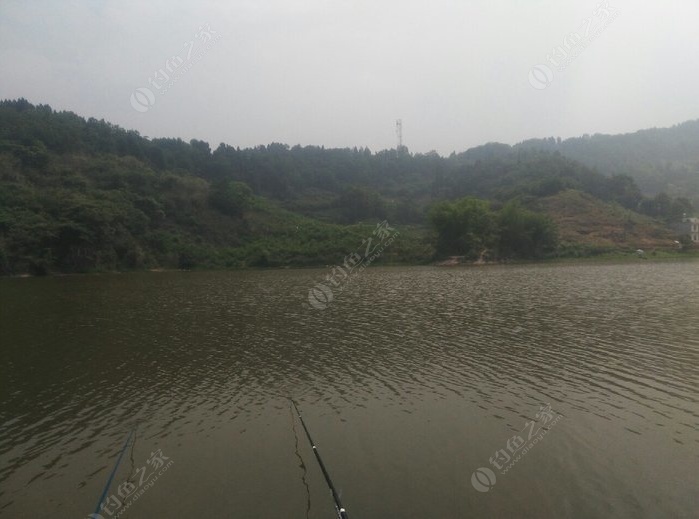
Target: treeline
[{"x": 335, "y": 185}]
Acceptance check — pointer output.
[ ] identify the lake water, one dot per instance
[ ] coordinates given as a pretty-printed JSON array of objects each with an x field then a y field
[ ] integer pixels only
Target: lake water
[{"x": 410, "y": 380}]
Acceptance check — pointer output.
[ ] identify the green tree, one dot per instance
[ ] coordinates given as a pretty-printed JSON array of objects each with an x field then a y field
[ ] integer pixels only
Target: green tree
[
  {"x": 465, "y": 227},
  {"x": 679, "y": 208},
  {"x": 360, "y": 203},
  {"x": 623, "y": 189},
  {"x": 524, "y": 233},
  {"x": 231, "y": 197}
]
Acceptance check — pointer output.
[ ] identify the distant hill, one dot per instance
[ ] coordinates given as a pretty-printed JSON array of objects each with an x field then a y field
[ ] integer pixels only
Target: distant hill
[
  {"x": 79, "y": 195},
  {"x": 658, "y": 159}
]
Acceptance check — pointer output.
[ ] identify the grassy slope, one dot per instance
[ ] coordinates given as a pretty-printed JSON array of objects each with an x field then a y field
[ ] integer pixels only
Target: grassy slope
[
  {"x": 585, "y": 222},
  {"x": 281, "y": 238}
]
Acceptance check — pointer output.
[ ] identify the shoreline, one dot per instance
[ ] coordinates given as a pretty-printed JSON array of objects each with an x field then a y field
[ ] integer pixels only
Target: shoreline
[{"x": 607, "y": 258}]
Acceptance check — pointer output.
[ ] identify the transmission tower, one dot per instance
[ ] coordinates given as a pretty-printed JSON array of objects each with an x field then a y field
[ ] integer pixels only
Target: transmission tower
[{"x": 399, "y": 134}]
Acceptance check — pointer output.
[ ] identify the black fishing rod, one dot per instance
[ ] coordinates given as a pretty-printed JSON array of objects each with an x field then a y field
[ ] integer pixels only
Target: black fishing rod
[
  {"x": 341, "y": 512},
  {"x": 118, "y": 461},
  {"x": 114, "y": 470}
]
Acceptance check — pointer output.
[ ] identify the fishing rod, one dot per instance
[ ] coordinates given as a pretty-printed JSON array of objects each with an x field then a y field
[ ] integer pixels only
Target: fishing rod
[
  {"x": 341, "y": 512},
  {"x": 114, "y": 470}
]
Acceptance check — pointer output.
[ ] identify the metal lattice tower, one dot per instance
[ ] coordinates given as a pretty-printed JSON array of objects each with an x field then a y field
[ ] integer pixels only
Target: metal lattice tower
[{"x": 399, "y": 134}]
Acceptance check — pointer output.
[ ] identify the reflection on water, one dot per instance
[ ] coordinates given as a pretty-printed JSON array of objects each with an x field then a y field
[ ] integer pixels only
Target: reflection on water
[{"x": 410, "y": 380}]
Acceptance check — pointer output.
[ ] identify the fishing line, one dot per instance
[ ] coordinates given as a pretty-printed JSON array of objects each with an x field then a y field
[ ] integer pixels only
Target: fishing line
[
  {"x": 302, "y": 465},
  {"x": 132, "y": 473},
  {"x": 341, "y": 512}
]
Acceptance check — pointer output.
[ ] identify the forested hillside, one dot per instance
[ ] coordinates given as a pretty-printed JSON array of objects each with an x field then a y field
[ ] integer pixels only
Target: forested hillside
[
  {"x": 80, "y": 195},
  {"x": 658, "y": 159}
]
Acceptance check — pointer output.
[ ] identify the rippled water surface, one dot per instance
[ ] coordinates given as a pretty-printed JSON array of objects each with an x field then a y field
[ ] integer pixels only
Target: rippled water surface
[{"x": 410, "y": 380}]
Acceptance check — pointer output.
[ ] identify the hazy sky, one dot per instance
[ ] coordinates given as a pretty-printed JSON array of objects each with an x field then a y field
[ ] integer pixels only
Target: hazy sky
[{"x": 340, "y": 72}]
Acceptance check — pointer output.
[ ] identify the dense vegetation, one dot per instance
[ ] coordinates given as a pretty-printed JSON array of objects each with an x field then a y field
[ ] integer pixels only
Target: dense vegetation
[
  {"x": 469, "y": 227},
  {"x": 80, "y": 195},
  {"x": 658, "y": 159}
]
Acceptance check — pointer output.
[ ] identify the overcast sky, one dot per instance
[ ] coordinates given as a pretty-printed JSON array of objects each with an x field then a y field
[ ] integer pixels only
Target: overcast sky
[{"x": 339, "y": 73}]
